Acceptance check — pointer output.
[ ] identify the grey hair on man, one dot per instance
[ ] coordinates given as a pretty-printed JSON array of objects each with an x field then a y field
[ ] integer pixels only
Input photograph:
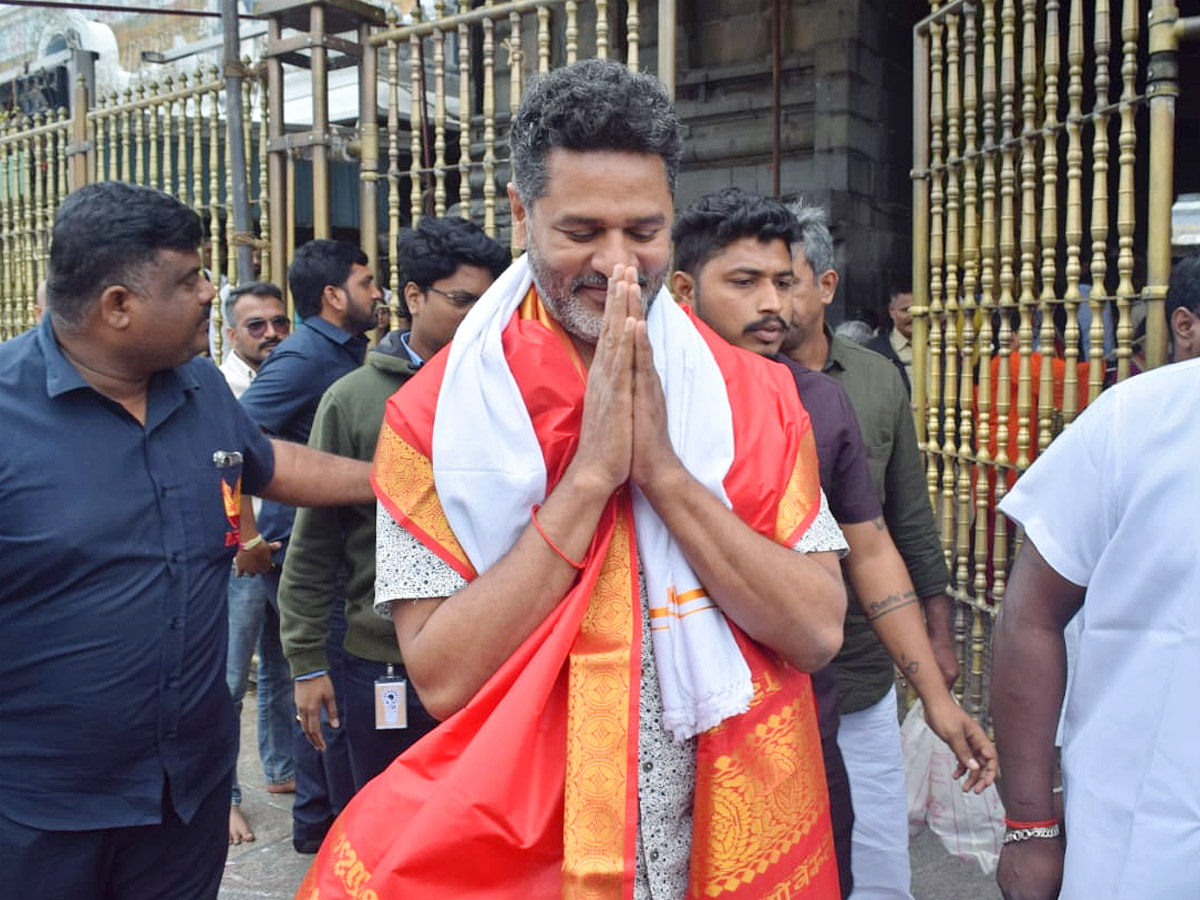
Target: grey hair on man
[
  {"x": 595, "y": 104},
  {"x": 815, "y": 239}
]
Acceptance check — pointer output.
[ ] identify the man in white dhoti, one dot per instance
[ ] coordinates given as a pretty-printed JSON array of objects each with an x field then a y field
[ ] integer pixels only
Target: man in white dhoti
[{"x": 1110, "y": 514}]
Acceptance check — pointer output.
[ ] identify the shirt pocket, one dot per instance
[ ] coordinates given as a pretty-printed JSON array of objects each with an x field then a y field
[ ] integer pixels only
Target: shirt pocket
[{"x": 214, "y": 528}]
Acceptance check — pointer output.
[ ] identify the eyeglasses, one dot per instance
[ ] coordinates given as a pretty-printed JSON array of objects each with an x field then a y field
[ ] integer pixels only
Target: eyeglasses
[
  {"x": 458, "y": 298},
  {"x": 256, "y": 328}
]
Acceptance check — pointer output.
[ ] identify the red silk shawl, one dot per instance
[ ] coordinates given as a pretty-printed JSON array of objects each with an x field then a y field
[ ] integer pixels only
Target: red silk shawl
[{"x": 530, "y": 791}]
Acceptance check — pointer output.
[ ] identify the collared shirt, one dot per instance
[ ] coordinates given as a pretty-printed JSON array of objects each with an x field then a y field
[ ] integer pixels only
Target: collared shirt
[
  {"x": 841, "y": 453},
  {"x": 238, "y": 373},
  {"x": 284, "y": 396},
  {"x": 115, "y": 548},
  {"x": 881, "y": 404},
  {"x": 903, "y": 348},
  {"x": 412, "y": 354},
  {"x": 1111, "y": 506}
]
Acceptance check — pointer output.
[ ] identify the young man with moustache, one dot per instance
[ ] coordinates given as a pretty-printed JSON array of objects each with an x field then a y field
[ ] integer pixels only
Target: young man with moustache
[
  {"x": 335, "y": 295},
  {"x": 733, "y": 253},
  {"x": 256, "y": 323},
  {"x": 738, "y": 242},
  {"x": 120, "y": 473},
  {"x": 448, "y": 263},
  {"x": 588, "y": 539}
]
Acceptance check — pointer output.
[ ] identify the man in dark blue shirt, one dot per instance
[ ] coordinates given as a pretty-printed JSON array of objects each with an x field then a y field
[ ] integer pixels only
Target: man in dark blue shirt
[
  {"x": 335, "y": 294},
  {"x": 121, "y": 470}
]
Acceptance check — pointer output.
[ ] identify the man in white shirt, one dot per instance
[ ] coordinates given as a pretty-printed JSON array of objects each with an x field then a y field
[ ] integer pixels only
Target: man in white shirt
[
  {"x": 255, "y": 323},
  {"x": 1110, "y": 517}
]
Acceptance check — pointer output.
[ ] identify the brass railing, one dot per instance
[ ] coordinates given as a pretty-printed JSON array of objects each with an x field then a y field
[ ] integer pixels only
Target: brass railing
[
  {"x": 170, "y": 135},
  {"x": 1010, "y": 343},
  {"x": 33, "y": 181},
  {"x": 443, "y": 149},
  {"x": 458, "y": 162}
]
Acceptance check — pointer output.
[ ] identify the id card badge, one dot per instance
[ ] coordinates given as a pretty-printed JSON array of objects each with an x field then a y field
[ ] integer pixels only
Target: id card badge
[{"x": 391, "y": 701}]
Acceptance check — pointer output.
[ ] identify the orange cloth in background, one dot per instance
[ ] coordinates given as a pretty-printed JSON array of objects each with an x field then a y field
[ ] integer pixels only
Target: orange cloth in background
[
  {"x": 530, "y": 791},
  {"x": 1058, "y": 374}
]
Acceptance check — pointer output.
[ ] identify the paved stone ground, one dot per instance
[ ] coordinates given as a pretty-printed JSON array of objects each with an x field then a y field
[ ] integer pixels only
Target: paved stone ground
[{"x": 269, "y": 869}]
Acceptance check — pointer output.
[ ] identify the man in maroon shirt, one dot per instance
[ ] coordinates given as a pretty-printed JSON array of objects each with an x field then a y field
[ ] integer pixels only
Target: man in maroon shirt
[{"x": 734, "y": 265}]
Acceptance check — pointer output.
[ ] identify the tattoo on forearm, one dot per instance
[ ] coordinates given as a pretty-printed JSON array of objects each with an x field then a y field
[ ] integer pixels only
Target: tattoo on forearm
[
  {"x": 890, "y": 603},
  {"x": 910, "y": 669}
]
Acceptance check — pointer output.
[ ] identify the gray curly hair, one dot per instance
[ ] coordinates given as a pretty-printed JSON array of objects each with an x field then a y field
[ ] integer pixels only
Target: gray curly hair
[{"x": 595, "y": 104}]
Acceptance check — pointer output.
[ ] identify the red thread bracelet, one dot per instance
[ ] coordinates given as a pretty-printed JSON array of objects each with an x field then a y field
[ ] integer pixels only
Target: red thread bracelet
[
  {"x": 577, "y": 566},
  {"x": 1045, "y": 823}
]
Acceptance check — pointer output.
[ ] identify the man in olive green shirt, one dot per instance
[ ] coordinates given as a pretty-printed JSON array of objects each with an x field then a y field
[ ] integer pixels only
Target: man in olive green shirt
[
  {"x": 869, "y": 734},
  {"x": 449, "y": 263}
]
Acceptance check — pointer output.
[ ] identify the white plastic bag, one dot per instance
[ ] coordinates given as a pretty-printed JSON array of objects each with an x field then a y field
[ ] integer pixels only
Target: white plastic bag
[{"x": 971, "y": 826}]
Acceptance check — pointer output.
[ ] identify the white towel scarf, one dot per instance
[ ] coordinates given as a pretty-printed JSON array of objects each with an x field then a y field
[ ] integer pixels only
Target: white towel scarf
[{"x": 489, "y": 471}]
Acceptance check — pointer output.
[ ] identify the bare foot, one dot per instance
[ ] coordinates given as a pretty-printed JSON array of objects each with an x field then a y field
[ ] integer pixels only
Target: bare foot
[
  {"x": 239, "y": 828},
  {"x": 284, "y": 787}
]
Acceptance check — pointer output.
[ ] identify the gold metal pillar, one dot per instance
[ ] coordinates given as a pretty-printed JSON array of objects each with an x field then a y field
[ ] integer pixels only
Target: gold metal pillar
[
  {"x": 667, "y": 17},
  {"x": 439, "y": 114},
  {"x": 920, "y": 203},
  {"x": 1126, "y": 203},
  {"x": 1048, "y": 298},
  {"x": 79, "y": 151},
  {"x": 277, "y": 165},
  {"x": 393, "y": 177},
  {"x": 1102, "y": 43},
  {"x": 416, "y": 124},
  {"x": 633, "y": 37},
  {"x": 602, "y": 29},
  {"x": 464, "y": 120},
  {"x": 1074, "y": 221},
  {"x": 1162, "y": 88},
  {"x": 571, "y": 37},
  {"x": 368, "y": 125},
  {"x": 319, "y": 49},
  {"x": 937, "y": 250},
  {"x": 489, "y": 127},
  {"x": 322, "y": 227}
]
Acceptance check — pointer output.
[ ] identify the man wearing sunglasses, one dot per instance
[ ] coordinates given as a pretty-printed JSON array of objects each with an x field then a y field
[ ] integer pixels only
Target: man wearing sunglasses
[{"x": 255, "y": 323}]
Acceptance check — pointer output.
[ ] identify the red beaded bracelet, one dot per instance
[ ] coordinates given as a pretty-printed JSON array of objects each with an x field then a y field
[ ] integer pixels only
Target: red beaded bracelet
[
  {"x": 578, "y": 566},
  {"x": 1045, "y": 823}
]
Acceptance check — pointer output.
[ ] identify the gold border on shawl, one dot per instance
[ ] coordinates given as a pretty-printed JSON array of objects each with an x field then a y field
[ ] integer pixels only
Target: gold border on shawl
[
  {"x": 802, "y": 497},
  {"x": 341, "y": 860},
  {"x": 596, "y": 802},
  {"x": 405, "y": 475},
  {"x": 766, "y": 798}
]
